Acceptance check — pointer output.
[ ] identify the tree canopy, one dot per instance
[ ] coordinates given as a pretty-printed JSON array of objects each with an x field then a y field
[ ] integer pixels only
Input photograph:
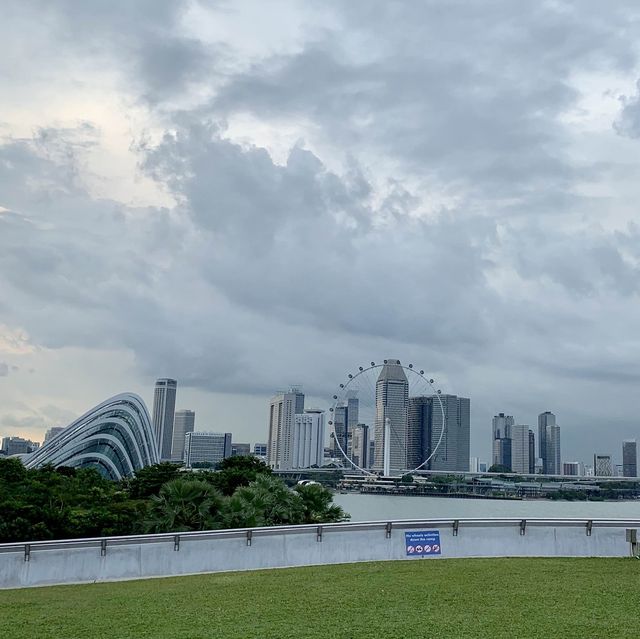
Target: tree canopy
[{"x": 62, "y": 503}]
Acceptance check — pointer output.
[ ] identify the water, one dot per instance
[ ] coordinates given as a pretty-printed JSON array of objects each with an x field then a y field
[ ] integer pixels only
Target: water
[{"x": 376, "y": 507}]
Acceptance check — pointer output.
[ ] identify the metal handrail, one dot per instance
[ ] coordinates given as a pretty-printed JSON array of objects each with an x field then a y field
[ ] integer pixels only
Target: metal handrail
[{"x": 384, "y": 525}]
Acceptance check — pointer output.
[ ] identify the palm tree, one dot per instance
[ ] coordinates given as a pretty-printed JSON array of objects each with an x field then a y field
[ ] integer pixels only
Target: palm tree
[
  {"x": 267, "y": 501},
  {"x": 184, "y": 504},
  {"x": 318, "y": 505}
]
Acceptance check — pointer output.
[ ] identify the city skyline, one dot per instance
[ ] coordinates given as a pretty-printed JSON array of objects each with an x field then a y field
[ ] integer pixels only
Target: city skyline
[{"x": 507, "y": 421}]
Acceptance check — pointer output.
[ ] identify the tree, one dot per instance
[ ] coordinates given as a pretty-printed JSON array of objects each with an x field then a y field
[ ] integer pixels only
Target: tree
[
  {"x": 148, "y": 481},
  {"x": 184, "y": 504},
  {"x": 234, "y": 472},
  {"x": 318, "y": 505},
  {"x": 12, "y": 470},
  {"x": 264, "y": 502},
  {"x": 499, "y": 468}
]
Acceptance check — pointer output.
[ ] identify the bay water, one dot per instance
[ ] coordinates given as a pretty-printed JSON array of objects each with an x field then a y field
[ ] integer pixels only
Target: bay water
[{"x": 390, "y": 507}]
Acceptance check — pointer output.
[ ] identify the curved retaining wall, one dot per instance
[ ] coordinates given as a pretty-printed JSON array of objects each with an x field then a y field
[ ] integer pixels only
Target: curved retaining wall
[{"x": 144, "y": 556}]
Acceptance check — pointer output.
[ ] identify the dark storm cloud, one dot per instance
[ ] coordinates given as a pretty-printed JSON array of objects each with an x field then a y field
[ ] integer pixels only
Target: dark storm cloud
[
  {"x": 139, "y": 39},
  {"x": 468, "y": 93}
]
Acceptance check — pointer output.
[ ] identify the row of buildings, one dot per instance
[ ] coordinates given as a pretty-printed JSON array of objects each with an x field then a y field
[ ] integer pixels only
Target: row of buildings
[
  {"x": 514, "y": 445},
  {"x": 514, "y": 448},
  {"x": 177, "y": 439},
  {"x": 403, "y": 433}
]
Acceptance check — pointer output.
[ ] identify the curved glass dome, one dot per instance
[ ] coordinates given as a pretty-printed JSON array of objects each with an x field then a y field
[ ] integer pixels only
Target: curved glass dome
[{"x": 115, "y": 437}]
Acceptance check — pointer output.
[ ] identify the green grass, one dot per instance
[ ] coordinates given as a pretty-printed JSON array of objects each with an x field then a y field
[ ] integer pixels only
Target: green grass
[{"x": 454, "y": 598}]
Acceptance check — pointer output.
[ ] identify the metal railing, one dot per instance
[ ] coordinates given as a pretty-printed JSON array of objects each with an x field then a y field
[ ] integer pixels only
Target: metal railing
[{"x": 317, "y": 530}]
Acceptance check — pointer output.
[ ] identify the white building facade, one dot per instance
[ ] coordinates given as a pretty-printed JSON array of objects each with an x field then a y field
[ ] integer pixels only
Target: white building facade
[
  {"x": 308, "y": 439},
  {"x": 184, "y": 422},
  {"x": 520, "y": 448},
  {"x": 164, "y": 406},
  {"x": 282, "y": 411}
]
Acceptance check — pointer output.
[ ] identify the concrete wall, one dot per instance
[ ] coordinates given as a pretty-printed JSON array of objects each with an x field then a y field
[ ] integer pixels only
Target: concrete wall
[{"x": 120, "y": 558}]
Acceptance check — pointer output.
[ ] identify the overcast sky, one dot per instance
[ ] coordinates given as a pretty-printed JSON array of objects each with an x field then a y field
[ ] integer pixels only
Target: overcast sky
[{"x": 246, "y": 194}]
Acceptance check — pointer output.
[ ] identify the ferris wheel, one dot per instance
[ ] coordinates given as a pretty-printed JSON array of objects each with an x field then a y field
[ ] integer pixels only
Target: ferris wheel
[{"x": 387, "y": 416}]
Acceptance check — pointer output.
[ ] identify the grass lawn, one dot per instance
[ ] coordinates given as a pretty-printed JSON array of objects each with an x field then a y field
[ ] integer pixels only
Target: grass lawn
[{"x": 458, "y": 598}]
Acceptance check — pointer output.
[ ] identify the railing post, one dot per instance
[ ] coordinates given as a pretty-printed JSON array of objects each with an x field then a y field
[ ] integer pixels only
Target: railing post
[
  {"x": 319, "y": 533},
  {"x": 388, "y": 529},
  {"x": 176, "y": 542},
  {"x": 523, "y": 526},
  {"x": 456, "y": 525},
  {"x": 103, "y": 547},
  {"x": 27, "y": 552},
  {"x": 249, "y": 536},
  {"x": 589, "y": 527}
]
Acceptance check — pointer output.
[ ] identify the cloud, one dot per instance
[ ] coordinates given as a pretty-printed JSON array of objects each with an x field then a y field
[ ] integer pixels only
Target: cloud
[
  {"x": 443, "y": 191},
  {"x": 628, "y": 122}
]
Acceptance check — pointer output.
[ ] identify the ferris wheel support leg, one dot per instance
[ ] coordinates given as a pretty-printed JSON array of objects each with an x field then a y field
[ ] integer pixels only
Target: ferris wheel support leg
[{"x": 387, "y": 448}]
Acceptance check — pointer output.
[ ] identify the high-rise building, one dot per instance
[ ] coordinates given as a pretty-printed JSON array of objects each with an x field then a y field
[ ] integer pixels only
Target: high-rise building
[
  {"x": 240, "y": 450},
  {"x": 629, "y": 458},
  {"x": 474, "y": 465},
  {"x": 307, "y": 448},
  {"x": 602, "y": 466},
  {"x": 549, "y": 443},
  {"x": 501, "y": 435},
  {"x": 164, "y": 406},
  {"x": 520, "y": 448},
  {"x": 54, "y": 431},
  {"x": 453, "y": 452},
  {"x": 419, "y": 430},
  {"x": 184, "y": 422},
  {"x": 361, "y": 446},
  {"x": 345, "y": 419},
  {"x": 532, "y": 452},
  {"x": 18, "y": 446},
  {"x": 426, "y": 427},
  {"x": 209, "y": 448},
  {"x": 392, "y": 403},
  {"x": 282, "y": 411}
]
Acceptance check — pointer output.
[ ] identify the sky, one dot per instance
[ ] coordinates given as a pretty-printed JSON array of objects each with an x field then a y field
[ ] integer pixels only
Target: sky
[{"x": 247, "y": 195}]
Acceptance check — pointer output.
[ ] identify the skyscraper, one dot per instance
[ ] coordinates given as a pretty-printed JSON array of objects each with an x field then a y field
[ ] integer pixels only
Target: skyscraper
[
  {"x": 419, "y": 430},
  {"x": 453, "y": 452},
  {"x": 549, "y": 443},
  {"x": 629, "y": 458},
  {"x": 532, "y": 452},
  {"x": 183, "y": 423},
  {"x": 392, "y": 403},
  {"x": 361, "y": 446},
  {"x": 426, "y": 427},
  {"x": 282, "y": 411},
  {"x": 501, "y": 433},
  {"x": 308, "y": 439},
  {"x": 164, "y": 406},
  {"x": 345, "y": 419},
  {"x": 520, "y": 448}
]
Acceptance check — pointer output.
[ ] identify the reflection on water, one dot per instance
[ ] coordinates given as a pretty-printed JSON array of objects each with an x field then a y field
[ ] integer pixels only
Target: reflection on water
[{"x": 374, "y": 507}]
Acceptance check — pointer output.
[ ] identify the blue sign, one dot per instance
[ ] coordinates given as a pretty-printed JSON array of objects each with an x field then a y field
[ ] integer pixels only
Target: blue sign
[{"x": 422, "y": 542}]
